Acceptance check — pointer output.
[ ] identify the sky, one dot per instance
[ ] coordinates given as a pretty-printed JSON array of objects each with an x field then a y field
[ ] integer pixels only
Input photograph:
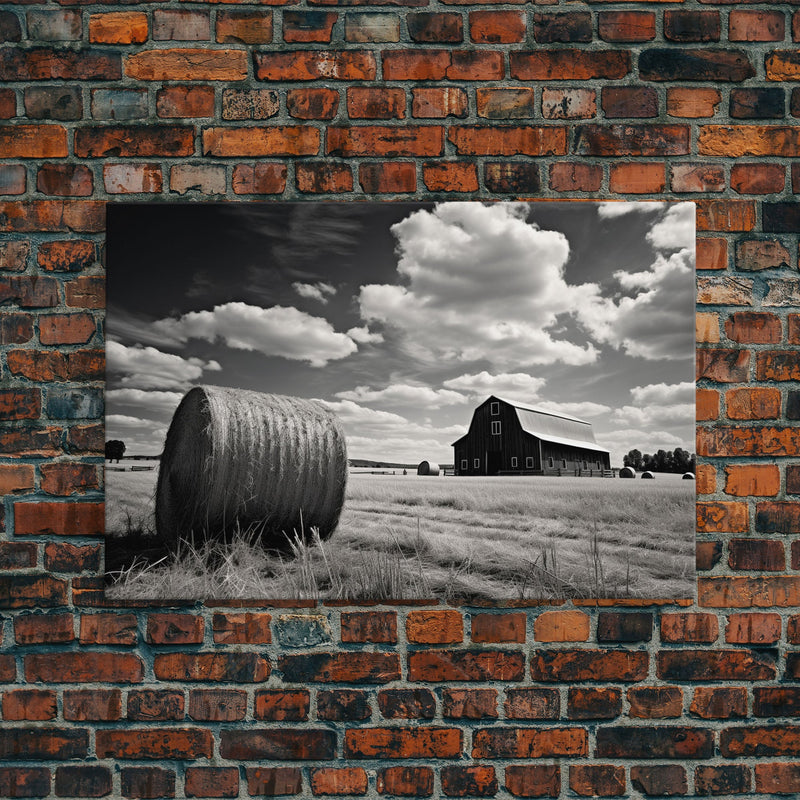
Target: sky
[{"x": 403, "y": 317}]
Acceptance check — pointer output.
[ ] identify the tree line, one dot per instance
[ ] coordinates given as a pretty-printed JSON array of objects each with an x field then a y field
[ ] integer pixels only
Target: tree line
[{"x": 679, "y": 460}]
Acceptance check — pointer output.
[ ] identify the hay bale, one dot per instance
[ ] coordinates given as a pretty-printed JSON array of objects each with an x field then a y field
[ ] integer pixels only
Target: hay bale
[
  {"x": 687, "y": 476},
  {"x": 258, "y": 462},
  {"x": 427, "y": 468},
  {"x": 627, "y": 472},
  {"x": 648, "y": 475}
]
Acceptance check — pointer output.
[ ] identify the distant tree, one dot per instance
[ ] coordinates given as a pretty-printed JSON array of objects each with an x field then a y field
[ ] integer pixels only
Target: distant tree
[
  {"x": 681, "y": 460},
  {"x": 115, "y": 449},
  {"x": 633, "y": 460}
]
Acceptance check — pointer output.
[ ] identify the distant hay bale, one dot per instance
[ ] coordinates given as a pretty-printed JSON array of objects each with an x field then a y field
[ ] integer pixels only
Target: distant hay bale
[
  {"x": 648, "y": 475},
  {"x": 427, "y": 468},
  {"x": 264, "y": 463},
  {"x": 687, "y": 476},
  {"x": 627, "y": 472}
]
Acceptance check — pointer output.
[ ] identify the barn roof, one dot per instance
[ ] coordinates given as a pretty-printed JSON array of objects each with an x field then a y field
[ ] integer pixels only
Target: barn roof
[{"x": 555, "y": 427}]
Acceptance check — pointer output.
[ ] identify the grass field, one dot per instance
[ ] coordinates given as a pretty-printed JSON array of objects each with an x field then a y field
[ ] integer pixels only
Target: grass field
[{"x": 456, "y": 539}]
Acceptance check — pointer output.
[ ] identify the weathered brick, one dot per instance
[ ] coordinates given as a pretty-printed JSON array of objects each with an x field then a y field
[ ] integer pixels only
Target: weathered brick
[
  {"x": 309, "y": 65},
  {"x": 532, "y": 704},
  {"x": 692, "y": 103},
  {"x": 68, "y": 478},
  {"x": 29, "y": 704},
  {"x": 343, "y": 667},
  {"x": 575, "y": 177},
  {"x": 212, "y": 782},
  {"x": 49, "y": 63},
  {"x": 147, "y": 782},
  {"x": 256, "y": 744},
  {"x": 181, "y": 25},
  {"x": 709, "y": 553},
  {"x": 134, "y": 141},
  {"x": 777, "y": 779},
  {"x": 637, "y": 178},
  {"x": 33, "y": 141},
  {"x": 575, "y": 26},
  {"x": 512, "y": 177},
  {"x": 150, "y": 704},
  {"x": 161, "y": 743},
  {"x": 464, "y": 665},
  {"x": 706, "y": 475},
  {"x": 184, "y": 102},
  {"x": 667, "y": 64},
  {"x": 438, "y": 103},
  {"x": 631, "y": 140},
  {"x": 14, "y": 255},
  {"x": 505, "y": 103},
  {"x": 244, "y": 27},
  {"x": 12, "y": 179},
  {"x": 508, "y": 141},
  {"x": 430, "y": 27},
  {"x": 369, "y": 626},
  {"x": 312, "y": 103},
  {"x": 65, "y": 180},
  {"x": 259, "y": 178},
  {"x": 591, "y": 703},
  {"x": 568, "y": 103},
  {"x": 10, "y": 28},
  {"x": 778, "y": 517},
  {"x": 697, "y": 178},
  {"x": 707, "y": 328},
  {"x": 273, "y": 781},
  {"x": 755, "y": 629},
  {"x": 496, "y": 27},
  {"x": 654, "y": 741},
  {"x": 624, "y": 627},
  {"x": 277, "y": 140},
  {"x": 24, "y": 781},
  {"x": 118, "y": 27},
  {"x": 132, "y": 178},
  {"x": 661, "y": 780},
  {"x": 338, "y": 780},
  {"x": 407, "y": 703},
  {"x": 533, "y": 780},
  {"x": 757, "y": 103},
  {"x": 217, "y": 705},
  {"x": 343, "y": 704},
  {"x": 597, "y": 780},
  {"x": 745, "y": 592},
  {"x": 175, "y": 629},
  {"x": 508, "y": 627},
  {"x": 469, "y": 703},
  {"x": 589, "y": 665},
  {"x": 692, "y": 26},
  {"x": 721, "y": 702},
  {"x": 371, "y": 27},
  {"x": 637, "y": 102},
  {"x": 236, "y": 667},
  {"x": 367, "y": 102},
  {"x": 758, "y": 178},
  {"x": 43, "y": 743},
  {"x": 757, "y": 254},
  {"x": 63, "y": 557},
  {"x": 776, "y": 701},
  {"x": 759, "y": 480},
  {"x": 756, "y": 26},
  {"x": 508, "y": 742},
  {"x": 17, "y": 555},
  {"x": 760, "y": 740},
  {"x": 409, "y": 140},
  {"x": 723, "y": 779},
  {"x": 447, "y": 176},
  {"x": 405, "y": 781},
  {"x": 569, "y": 64},
  {"x": 734, "y": 141},
  {"x": 477, "y": 780},
  {"x": 714, "y": 665},
  {"x": 720, "y": 517},
  {"x": 180, "y": 64},
  {"x": 653, "y": 702},
  {"x": 626, "y": 26},
  {"x": 203, "y": 178},
  {"x": 753, "y": 404},
  {"x": 43, "y": 628},
  {"x": 84, "y": 667}
]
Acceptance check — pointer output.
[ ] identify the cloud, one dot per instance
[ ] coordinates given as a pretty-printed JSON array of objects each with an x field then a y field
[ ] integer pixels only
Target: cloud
[
  {"x": 675, "y": 230},
  {"x": 614, "y": 209},
  {"x": 315, "y": 291},
  {"x": 622, "y": 440},
  {"x": 581, "y": 409},
  {"x": 141, "y": 436},
  {"x": 148, "y": 368},
  {"x": 480, "y": 283},
  {"x": 664, "y": 393},
  {"x": 363, "y": 335},
  {"x": 276, "y": 331},
  {"x": 403, "y": 394},
  {"x": 668, "y": 415},
  {"x": 510, "y": 386},
  {"x": 655, "y": 320},
  {"x": 154, "y": 402}
]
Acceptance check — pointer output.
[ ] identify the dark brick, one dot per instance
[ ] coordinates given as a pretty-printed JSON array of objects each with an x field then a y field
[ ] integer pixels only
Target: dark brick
[
  {"x": 405, "y": 781},
  {"x": 534, "y": 780},
  {"x": 83, "y": 781},
  {"x": 469, "y": 703},
  {"x": 48, "y": 63},
  {"x": 588, "y": 703},
  {"x": 723, "y": 779},
  {"x": 442, "y": 27},
  {"x": 572, "y": 27},
  {"x": 715, "y": 665},
  {"x": 512, "y": 177},
  {"x": 661, "y": 64},
  {"x": 273, "y": 781},
  {"x": 147, "y": 783},
  {"x": 776, "y": 701},
  {"x": 760, "y": 740},
  {"x": 475, "y": 780},
  {"x": 256, "y": 744},
  {"x": 43, "y": 743},
  {"x": 692, "y": 26},
  {"x": 624, "y": 627},
  {"x": 659, "y": 780},
  {"x": 532, "y": 704},
  {"x": 407, "y": 703},
  {"x": 781, "y": 217},
  {"x": 343, "y": 704},
  {"x": 655, "y": 741},
  {"x": 758, "y": 103},
  {"x": 10, "y": 28}
]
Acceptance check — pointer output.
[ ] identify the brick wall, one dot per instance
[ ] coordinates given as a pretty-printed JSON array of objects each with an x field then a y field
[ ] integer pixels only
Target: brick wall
[{"x": 388, "y": 99}]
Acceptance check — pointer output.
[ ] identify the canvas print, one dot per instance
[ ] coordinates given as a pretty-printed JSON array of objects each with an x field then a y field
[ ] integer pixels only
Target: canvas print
[{"x": 479, "y": 402}]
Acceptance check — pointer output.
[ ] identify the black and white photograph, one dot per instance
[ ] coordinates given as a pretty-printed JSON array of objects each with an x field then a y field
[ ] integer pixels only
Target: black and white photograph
[{"x": 474, "y": 402}]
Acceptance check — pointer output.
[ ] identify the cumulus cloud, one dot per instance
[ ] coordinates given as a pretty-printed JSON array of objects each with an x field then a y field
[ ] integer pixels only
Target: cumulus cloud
[
  {"x": 403, "y": 394},
  {"x": 363, "y": 335},
  {"x": 141, "y": 436},
  {"x": 517, "y": 386},
  {"x": 651, "y": 415},
  {"x": 149, "y": 368},
  {"x": 655, "y": 320},
  {"x": 675, "y": 230},
  {"x": 613, "y": 209},
  {"x": 580, "y": 409},
  {"x": 275, "y": 331},
  {"x": 480, "y": 282},
  {"x": 664, "y": 393},
  {"x": 315, "y": 291}
]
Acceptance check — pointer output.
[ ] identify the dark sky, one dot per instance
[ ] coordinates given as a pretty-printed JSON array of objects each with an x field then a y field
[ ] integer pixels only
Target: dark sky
[{"x": 582, "y": 307}]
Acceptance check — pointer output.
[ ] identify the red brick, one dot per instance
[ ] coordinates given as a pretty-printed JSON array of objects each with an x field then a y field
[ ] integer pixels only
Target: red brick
[
  {"x": 367, "y": 102},
  {"x": 217, "y": 705},
  {"x": 561, "y": 626},
  {"x": 756, "y": 26},
  {"x": 753, "y": 404},
  {"x": 387, "y": 177},
  {"x": 82, "y": 216},
  {"x": 65, "y": 180},
  {"x": 631, "y": 140},
  {"x": 744, "y": 592},
  {"x": 309, "y": 65},
  {"x": 692, "y": 26},
  {"x": 723, "y": 365},
  {"x": 653, "y": 702},
  {"x": 180, "y": 64},
  {"x": 405, "y": 781},
  {"x": 8, "y": 104},
  {"x": 446, "y": 176},
  {"x": 86, "y": 292},
  {"x": 14, "y": 254},
  {"x": 744, "y": 480},
  {"x": 132, "y": 178},
  {"x": 532, "y": 704},
  {"x": 308, "y": 26},
  {"x": 568, "y": 103},
  {"x": 534, "y": 780},
  {"x": 278, "y": 140},
  {"x": 67, "y": 478},
  {"x": 17, "y": 555},
  {"x": 175, "y": 629},
  {"x": 777, "y": 779},
  {"x": 212, "y": 782},
  {"x": 757, "y": 629},
  {"x": 697, "y": 178},
  {"x": 575, "y": 177},
  {"x": 65, "y": 519},
  {"x": 597, "y": 780},
  {"x": 342, "y": 667},
  {"x": 16, "y": 478},
  {"x": 395, "y": 742},
  {"x": 706, "y": 475},
  {"x": 654, "y": 741},
  {"x": 758, "y": 178},
  {"x": 635, "y": 102},
  {"x": 249, "y": 103},
  {"x": 721, "y": 517},
  {"x": 748, "y": 327},
  {"x": 312, "y": 103},
  {"x": 33, "y": 141},
  {"x": 244, "y": 27},
  {"x": 571, "y": 27},
  {"x": 589, "y": 665},
  {"x": 782, "y": 517},
  {"x": 155, "y": 743},
  {"x": 505, "y": 103},
  {"x": 529, "y": 742},
  {"x": 237, "y": 666},
  {"x": 707, "y": 554},
  {"x": 489, "y": 140},
  {"x": 24, "y": 781},
  {"x": 273, "y": 781},
  {"x": 41, "y": 743},
  {"x": 714, "y": 665},
  {"x": 757, "y": 254},
  {"x": 12, "y": 177},
  {"x": 147, "y": 782},
  {"x": 719, "y": 702},
  {"x": 692, "y": 103},
  {"x": 338, "y": 781},
  {"x": 496, "y": 27},
  {"x": 29, "y": 704},
  {"x": 776, "y": 701},
  {"x": 244, "y": 628},
  {"x": 476, "y": 780},
  {"x": 259, "y": 178},
  {"x": 118, "y": 27},
  {"x": 465, "y": 665},
  {"x": 66, "y": 328},
  {"x": 711, "y": 253},
  {"x": 150, "y": 705},
  {"x": 589, "y": 703},
  {"x": 185, "y": 101},
  {"x": 706, "y": 326},
  {"x": 512, "y": 177},
  {"x": 84, "y": 667},
  {"x": 66, "y": 256},
  {"x": 724, "y": 779},
  {"x": 492, "y": 628},
  {"x": 626, "y": 26},
  {"x": 343, "y": 704},
  {"x": 134, "y": 141},
  {"x": 108, "y": 629},
  {"x": 637, "y": 178},
  {"x": 282, "y": 705},
  {"x": 43, "y": 628},
  {"x": 569, "y": 64},
  {"x": 438, "y": 103},
  {"x": 469, "y": 703}
]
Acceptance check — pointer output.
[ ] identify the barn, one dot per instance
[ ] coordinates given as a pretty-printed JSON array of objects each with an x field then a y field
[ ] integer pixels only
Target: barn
[{"x": 507, "y": 437}]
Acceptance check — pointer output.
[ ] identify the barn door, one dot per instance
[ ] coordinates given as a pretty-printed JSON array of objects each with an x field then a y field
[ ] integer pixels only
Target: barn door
[{"x": 494, "y": 462}]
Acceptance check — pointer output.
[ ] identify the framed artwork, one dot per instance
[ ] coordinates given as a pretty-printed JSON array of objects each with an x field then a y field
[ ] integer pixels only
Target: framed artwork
[{"x": 479, "y": 402}]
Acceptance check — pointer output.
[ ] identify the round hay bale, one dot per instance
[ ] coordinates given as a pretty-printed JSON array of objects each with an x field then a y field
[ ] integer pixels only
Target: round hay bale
[
  {"x": 687, "y": 476},
  {"x": 648, "y": 475},
  {"x": 427, "y": 468},
  {"x": 627, "y": 472},
  {"x": 242, "y": 460}
]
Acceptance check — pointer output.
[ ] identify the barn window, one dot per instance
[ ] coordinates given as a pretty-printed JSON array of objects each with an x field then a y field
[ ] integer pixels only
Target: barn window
[
  {"x": 585, "y": 465},
  {"x": 550, "y": 462},
  {"x": 477, "y": 463},
  {"x": 494, "y": 408},
  {"x": 514, "y": 461},
  {"x": 563, "y": 463},
  {"x": 464, "y": 463},
  {"x": 496, "y": 428},
  {"x": 529, "y": 462}
]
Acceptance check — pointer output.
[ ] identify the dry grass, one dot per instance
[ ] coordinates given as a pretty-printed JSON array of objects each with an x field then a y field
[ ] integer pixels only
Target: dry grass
[{"x": 466, "y": 539}]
